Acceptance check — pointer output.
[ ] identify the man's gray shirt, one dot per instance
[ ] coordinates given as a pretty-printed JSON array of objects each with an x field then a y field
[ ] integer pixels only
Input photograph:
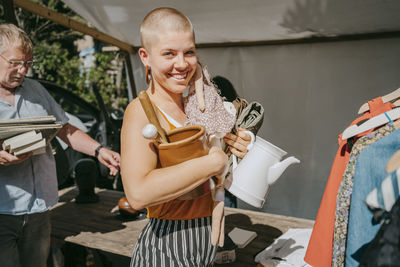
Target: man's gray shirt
[{"x": 30, "y": 186}]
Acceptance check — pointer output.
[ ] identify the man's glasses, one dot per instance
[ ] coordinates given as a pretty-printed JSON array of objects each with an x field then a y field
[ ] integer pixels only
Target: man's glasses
[{"x": 19, "y": 63}]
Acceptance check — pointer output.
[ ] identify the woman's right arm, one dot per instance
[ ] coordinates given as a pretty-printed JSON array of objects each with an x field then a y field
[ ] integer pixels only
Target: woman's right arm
[{"x": 145, "y": 183}]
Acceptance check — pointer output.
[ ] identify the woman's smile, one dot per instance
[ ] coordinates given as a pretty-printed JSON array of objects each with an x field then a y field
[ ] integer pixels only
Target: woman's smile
[{"x": 179, "y": 76}]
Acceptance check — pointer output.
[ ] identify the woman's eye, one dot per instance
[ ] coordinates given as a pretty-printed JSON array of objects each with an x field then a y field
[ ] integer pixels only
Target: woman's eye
[
  {"x": 168, "y": 54},
  {"x": 189, "y": 53}
]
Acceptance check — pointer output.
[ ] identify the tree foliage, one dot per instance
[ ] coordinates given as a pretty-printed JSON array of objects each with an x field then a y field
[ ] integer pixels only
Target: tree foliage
[{"x": 58, "y": 61}]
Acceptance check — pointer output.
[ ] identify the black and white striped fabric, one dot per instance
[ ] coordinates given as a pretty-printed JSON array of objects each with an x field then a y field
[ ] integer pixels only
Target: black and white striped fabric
[{"x": 183, "y": 243}]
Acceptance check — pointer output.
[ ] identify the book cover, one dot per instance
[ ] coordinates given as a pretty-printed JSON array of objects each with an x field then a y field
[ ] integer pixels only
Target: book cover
[
  {"x": 29, "y": 120},
  {"x": 242, "y": 237},
  {"x": 22, "y": 142},
  {"x": 46, "y": 125},
  {"x": 8, "y": 141},
  {"x": 31, "y": 148}
]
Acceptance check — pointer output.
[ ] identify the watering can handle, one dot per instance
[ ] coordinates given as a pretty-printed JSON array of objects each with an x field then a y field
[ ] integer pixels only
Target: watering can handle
[
  {"x": 249, "y": 147},
  {"x": 151, "y": 115}
]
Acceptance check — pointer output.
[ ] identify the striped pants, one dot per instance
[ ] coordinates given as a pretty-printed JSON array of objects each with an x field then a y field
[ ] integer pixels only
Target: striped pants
[{"x": 182, "y": 243}]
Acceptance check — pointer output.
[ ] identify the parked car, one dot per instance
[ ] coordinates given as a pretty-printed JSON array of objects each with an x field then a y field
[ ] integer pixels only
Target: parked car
[{"x": 102, "y": 125}]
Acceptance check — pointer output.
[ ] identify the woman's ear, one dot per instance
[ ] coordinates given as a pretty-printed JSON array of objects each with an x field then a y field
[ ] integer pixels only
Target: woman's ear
[{"x": 144, "y": 56}]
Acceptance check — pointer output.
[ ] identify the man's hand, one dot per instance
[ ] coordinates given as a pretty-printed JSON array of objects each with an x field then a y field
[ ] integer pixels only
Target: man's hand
[
  {"x": 110, "y": 159},
  {"x": 9, "y": 159}
]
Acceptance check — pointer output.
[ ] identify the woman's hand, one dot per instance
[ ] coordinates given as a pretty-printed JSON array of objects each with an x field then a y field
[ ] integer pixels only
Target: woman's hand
[
  {"x": 9, "y": 159},
  {"x": 219, "y": 158},
  {"x": 238, "y": 142}
]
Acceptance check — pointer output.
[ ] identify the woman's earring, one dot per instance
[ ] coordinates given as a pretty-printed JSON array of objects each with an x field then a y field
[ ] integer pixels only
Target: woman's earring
[{"x": 148, "y": 74}]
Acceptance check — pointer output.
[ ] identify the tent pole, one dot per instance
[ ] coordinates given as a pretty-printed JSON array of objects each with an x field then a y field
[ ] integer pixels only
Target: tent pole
[
  {"x": 129, "y": 71},
  {"x": 9, "y": 12}
]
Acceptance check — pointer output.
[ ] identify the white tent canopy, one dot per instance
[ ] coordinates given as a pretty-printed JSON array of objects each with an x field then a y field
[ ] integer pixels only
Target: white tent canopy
[
  {"x": 310, "y": 91},
  {"x": 226, "y": 21}
]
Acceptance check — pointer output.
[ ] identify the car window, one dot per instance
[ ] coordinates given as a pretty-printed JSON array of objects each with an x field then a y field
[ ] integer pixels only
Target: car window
[{"x": 71, "y": 107}]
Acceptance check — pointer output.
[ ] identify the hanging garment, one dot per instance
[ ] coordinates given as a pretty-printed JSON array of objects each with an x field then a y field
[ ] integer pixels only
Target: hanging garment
[
  {"x": 385, "y": 195},
  {"x": 319, "y": 251},
  {"x": 369, "y": 173},
  {"x": 384, "y": 249},
  {"x": 344, "y": 194}
]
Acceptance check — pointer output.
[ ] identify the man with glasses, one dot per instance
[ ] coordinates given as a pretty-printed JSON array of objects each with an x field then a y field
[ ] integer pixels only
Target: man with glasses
[
  {"x": 18, "y": 64},
  {"x": 28, "y": 184}
]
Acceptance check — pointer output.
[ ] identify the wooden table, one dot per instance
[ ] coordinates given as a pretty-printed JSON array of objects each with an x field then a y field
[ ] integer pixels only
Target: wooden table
[{"x": 99, "y": 225}]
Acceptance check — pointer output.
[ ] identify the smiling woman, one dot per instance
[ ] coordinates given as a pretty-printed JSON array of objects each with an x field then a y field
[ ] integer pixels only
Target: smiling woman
[
  {"x": 172, "y": 64},
  {"x": 169, "y": 55}
]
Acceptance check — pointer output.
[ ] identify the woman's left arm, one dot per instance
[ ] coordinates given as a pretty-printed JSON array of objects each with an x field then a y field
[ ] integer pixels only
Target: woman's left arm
[{"x": 238, "y": 142}]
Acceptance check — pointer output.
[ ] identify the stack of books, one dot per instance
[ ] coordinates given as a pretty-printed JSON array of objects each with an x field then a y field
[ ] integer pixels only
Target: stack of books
[{"x": 20, "y": 136}]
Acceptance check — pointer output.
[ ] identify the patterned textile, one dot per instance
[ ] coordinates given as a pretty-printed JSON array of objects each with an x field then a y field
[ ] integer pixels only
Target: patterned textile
[
  {"x": 250, "y": 118},
  {"x": 215, "y": 118},
  {"x": 175, "y": 243},
  {"x": 344, "y": 194}
]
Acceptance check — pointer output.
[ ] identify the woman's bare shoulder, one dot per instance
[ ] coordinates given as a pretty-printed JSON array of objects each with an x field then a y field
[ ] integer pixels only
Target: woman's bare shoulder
[
  {"x": 134, "y": 112},
  {"x": 133, "y": 106}
]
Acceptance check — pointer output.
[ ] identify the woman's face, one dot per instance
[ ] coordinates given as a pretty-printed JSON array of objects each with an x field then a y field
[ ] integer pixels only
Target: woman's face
[{"x": 172, "y": 60}]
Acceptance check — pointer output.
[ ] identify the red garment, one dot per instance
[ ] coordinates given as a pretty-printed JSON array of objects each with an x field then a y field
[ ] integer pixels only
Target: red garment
[{"x": 319, "y": 250}]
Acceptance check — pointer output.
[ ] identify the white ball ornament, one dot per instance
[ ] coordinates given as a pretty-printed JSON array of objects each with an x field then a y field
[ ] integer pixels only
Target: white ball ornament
[{"x": 149, "y": 131}]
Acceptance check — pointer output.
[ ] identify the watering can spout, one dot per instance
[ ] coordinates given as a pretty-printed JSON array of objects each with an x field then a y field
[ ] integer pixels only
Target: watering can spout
[{"x": 277, "y": 169}]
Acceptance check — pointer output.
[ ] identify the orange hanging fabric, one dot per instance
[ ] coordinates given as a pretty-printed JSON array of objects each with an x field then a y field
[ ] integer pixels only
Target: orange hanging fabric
[{"x": 319, "y": 251}]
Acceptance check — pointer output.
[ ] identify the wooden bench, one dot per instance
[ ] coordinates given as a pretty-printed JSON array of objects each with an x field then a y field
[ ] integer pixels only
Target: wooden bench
[{"x": 100, "y": 226}]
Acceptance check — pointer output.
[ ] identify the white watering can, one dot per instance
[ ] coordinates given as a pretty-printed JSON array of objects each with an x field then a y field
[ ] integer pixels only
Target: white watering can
[{"x": 259, "y": 169}]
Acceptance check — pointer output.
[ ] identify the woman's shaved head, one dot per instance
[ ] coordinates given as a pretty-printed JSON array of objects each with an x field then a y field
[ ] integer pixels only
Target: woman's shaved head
[{"x": 161, "y": 20}]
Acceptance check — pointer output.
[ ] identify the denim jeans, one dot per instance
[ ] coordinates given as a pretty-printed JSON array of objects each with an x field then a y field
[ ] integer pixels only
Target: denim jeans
[
  {"x": 369, "y": 174},
  {"x": 25, "y": 240}
]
